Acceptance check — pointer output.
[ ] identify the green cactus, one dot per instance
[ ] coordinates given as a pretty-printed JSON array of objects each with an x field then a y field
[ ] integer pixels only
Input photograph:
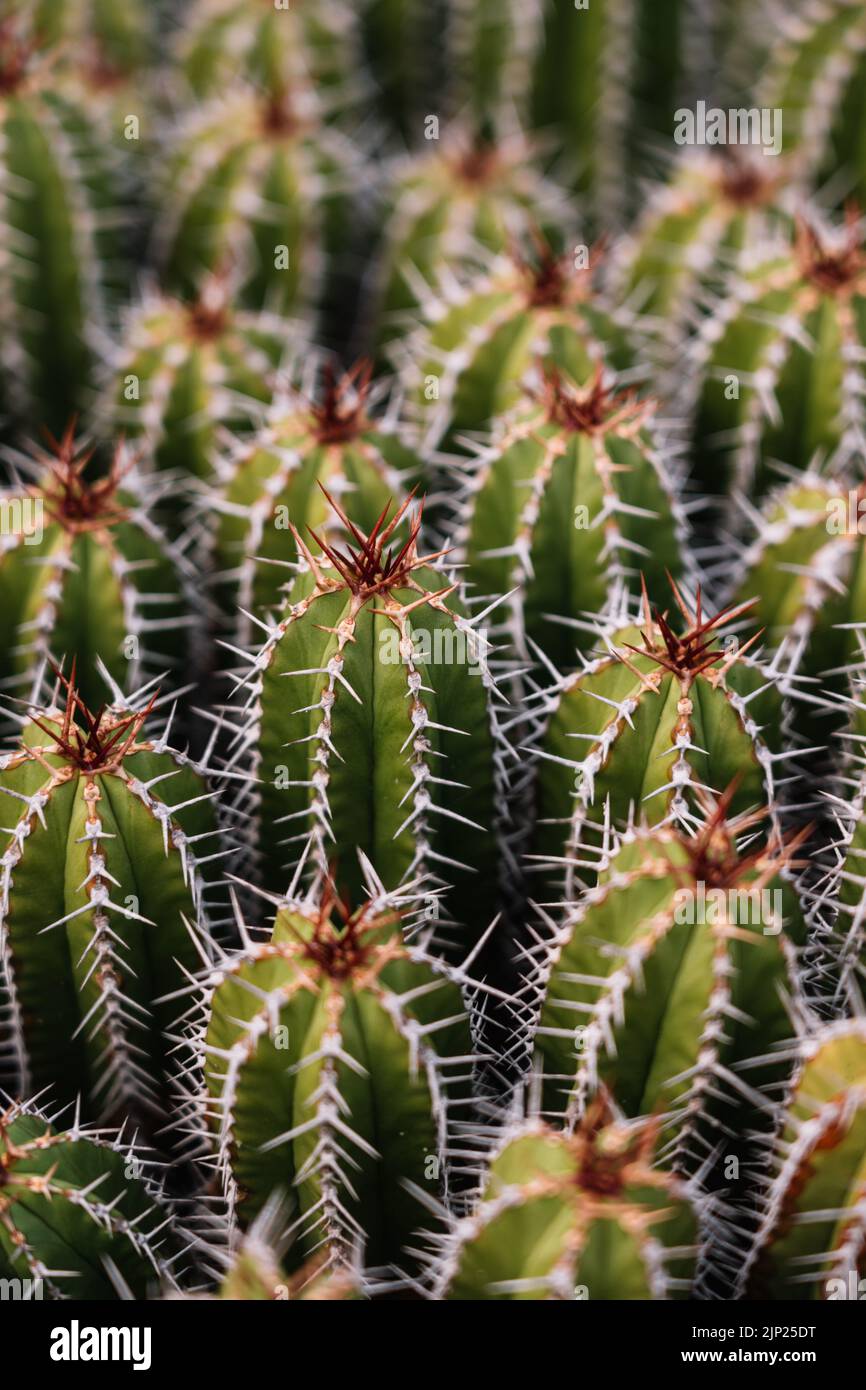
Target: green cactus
[
  {"x": 267, "y": 482},
  {"x": 810, "y": 1240},
  {"x": 257, "y": 182},
  {"x": 609, "y": 74},
  {"x": 779, "y": 369},
  {"x": 803, "y": 570},
  {"x": 491, "y": 47},
  {"x": 107, "y": 873},
  {"x": 275, "y": 45},
  {"x": 692, "y": 227},
  {"x": 85, "y": 571},
  {"x": 80, "y": 1218},
  {"x": 333, "y": 1053},
  {"x": 123, "y": 35},
  {"x": 403, "y": 46},
  {"x": 372, "y": 654},
  {"x": 816, "y": 77},
  {"x": 187, "y": 369},
  {"x": 649, "y": 725},
  {"x": 59, "y": 249},
  {"x": 468, "y": 195},
  {"x": 580, "y": 1216},
  {"x": 670, "y": 974},
  {"x": 558, "y": 510},
  {"x": 465, "y": 365}
]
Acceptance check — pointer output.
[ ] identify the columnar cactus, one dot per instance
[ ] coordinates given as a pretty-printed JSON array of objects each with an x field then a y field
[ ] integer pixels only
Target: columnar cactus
[
  {"x": 608, "y": 74},
  {"x": 671, "y": 973},
  {"x": 58, "y": 178},
  {"x": 273, "y": 45},
  {"x": 465, "y": 364},
  {"x": 586, "y": 1215},
  {"x": 402, "y": 41},
  {"x": 335, "y": 439},
  {"x": 369, "y": 721},
  {"x": 491, "y": 46},
  {"x": 257, "y": 182},
  {"x": 779, "y": 377},
  {"x": 106, "y": 874},
  {"x": 332, "y": 1051},
  {"x": 811, "y": 1241},
  {"x": 86, "y": 572},
  {"x": 187, "y": 368},
  {"x": 816, "y": 76},
  {"x": 558, "y": 509},
  {"x": 80, "y": 1217},
  {"x": 467, "y": 195},
  {"x": 805, "y": 571},
  {"x": 711, "y": 207},
  {"x": 645, "y": 728}
]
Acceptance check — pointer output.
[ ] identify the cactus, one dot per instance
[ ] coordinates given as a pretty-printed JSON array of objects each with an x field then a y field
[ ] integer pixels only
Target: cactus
[
  {"x": 81, "y": 1216},
  {"x": 809, "y": 1243},
  {"x": 402, "y": 42},
  {"x": 469, "y": 195},
  {"x": 670, "y": 974},
  {"x": 647, "y": 726},
  {"x": 372, "y": 655},
  {"x": 85, "y": 571},
  {"x": 107, "y": 873},
  {"x": 258, "y": 183},
  {"x": 334, "y": 440},
  {"x": 816, "y": 76},
  {"x": 803, "y": 569},
  {"x": 558, "y": 508},
  {"x": 609, "y": 74},
  {"x": 333, "y": 1049},
  {"x": 185, "y": 369},
  {"x": 272, "y": 45},
  {"x": 464, "y": 366},
  {"x": 779, "y": 374},
  {"x": 693, "y": 226},
  {"x": 491, "y": 44},
  {"x": 123, "y": 35},
  {"x": 586, "y": 1215},
  {"x": 58, "y": 180}
]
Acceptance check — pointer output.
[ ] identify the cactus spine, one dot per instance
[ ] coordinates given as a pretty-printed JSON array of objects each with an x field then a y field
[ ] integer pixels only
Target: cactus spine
[
  {"x": 372, "y": 655},
  {"x": 78, "y": 1214},
  {"x": 557, "y": 508},
  {"x": 576, "y": 1216},
  {"x": 332, "y": 1051},
  {"x": 108, "y": 856}
]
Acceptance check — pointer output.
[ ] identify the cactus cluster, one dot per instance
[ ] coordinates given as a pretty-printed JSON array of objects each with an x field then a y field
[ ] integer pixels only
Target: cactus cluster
[{"x": 432, "y": 650}]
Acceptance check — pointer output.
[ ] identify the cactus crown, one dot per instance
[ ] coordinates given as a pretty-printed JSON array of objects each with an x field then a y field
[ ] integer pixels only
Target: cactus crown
[
  {"x": 547, "y": 276},
  {"x": 836, "y": 268},
  {"x": 74, "y": 502},
  {"x": 693, "y": 652},
  {"x": 341, "y": 415},
  {"x": 371, "y": 569},
  {"x": 16, "y": 51},
  {"x": 744, "y": 180},
  {"x": 344, "y": 948},
  {"x": 100, "y": 741},
  {"x": 609, "y": 1157},
  {"x": 591, "y": 409}
]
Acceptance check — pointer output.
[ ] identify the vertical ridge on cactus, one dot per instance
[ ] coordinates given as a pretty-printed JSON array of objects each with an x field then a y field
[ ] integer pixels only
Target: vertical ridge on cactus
[{"x": 109, "y": 883}]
